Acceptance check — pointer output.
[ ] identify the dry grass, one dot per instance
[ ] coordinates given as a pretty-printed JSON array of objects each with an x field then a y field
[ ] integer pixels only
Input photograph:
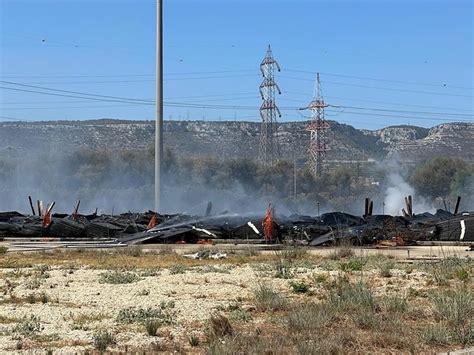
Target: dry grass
[
  {"x": 118, "y": 259},
  {"x": 353, "y": 304}
]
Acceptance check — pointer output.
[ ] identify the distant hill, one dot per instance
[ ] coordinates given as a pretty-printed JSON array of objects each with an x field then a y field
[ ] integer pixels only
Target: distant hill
[{"x": 239, "y": 139}]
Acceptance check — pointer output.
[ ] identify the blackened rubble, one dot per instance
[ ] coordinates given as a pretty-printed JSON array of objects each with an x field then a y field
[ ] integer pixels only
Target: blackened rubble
[{"x": 149, "y": 227}]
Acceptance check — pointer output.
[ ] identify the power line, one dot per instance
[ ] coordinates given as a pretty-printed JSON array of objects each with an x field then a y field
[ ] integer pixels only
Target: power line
[
  {"x": 127, "y": 75},
  {"x": 410, "y": 117},
  {"x": 135, "y": 101},
  {"x": 226, "y": 107},
  {"x": 403, "y": 111},
  {"x": 74, "y": 92},
  {"x": 72, "y": 96},
  {"x": 383, "y": 102},
  {"x": 382, "y": 80},
  {"x": 125, "y": 104},
  {"x": 168, "y": 98},
  {"x": 379, "y": 87},
  {"x": 68, "y": 107},
  {"x": 138, "y": 81}
]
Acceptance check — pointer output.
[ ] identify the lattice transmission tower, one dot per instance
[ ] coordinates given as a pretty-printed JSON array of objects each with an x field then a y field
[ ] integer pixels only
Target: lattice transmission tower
[
  {"x": 318, "y": 143},
  {"x": 269, "y": 152}
]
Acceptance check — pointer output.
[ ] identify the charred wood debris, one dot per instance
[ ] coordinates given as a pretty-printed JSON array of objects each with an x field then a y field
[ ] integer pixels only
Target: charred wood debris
[{"x": 153, "y": 228}]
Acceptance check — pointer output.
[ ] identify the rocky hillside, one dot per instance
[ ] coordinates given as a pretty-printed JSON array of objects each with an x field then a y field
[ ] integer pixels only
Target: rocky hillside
[{"x": 238, "y": 139}]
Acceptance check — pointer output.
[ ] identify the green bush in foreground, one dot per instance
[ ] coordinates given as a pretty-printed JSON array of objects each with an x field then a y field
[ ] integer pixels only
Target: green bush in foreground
[
  {"x": 102, "y": 339},
  {"x": 267, "y": 299},
  {"x": 118, "y": 277}
]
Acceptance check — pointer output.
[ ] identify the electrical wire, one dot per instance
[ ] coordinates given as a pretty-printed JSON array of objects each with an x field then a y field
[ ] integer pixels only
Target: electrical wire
[
  {"x": 381, "y": 80},
  {"x": 403, "y": 111},
  {"x": 410, "y": 117},
  {"x": 75, "y": 92},
  {"x": 378, "y": 87},
  {"x": 381, "y": 102}
]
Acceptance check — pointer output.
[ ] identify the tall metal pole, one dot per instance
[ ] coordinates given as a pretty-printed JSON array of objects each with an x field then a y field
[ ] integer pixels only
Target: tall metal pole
[{"x": 159, "y": 103}]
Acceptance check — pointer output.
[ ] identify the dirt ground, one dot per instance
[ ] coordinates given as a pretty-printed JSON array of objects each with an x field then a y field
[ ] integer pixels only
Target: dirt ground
[{"x": 86, "y": 301}]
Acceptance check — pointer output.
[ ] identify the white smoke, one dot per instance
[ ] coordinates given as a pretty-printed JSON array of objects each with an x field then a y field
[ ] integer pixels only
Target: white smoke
[
  {"x": 395, "y": 194},
  {"x": 397, "y": 188}
]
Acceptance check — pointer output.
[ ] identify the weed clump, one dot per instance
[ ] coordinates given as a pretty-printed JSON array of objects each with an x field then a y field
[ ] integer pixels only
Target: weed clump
[
  {"x": 451, "y": 268},
  {"x": 220, "y": 326},
  {"x": 267, "y": 299},
  {"x": 352, "y": 296},
  {"x": 118, "y": 277},
  {"x": 344, "y": 249},
  {"x": 102, "y": 340},
  {"x": 455, "y": 309},
  {"x": 193, "y": 340},
  {"x": 33, "y": 283},
  {"x": 177, "y": 269},
  {"x": 353, "y": 264},
  {"x": 28, "y": 326},
  {"x": 152, "y": 325},
  {"x": 299, "y": 287},
  {"x": 385, "y": 268},
  {"x": 142, "y": 315},
  {"x": 395, "y": 304},
  {"x": 306, "y": 318}
]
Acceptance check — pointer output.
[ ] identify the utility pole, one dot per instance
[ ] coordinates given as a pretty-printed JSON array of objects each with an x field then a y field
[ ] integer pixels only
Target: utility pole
[{"x": 159, "y": 103}]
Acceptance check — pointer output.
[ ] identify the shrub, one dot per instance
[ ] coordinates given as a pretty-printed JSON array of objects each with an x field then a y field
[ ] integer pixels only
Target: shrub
[
  {"x": 213, "y": 269},
  {"x": 152, "y": 325},
  {"x": 308, "y": 318},
  {"x": 141, "y": 315},
  {"x": 102, "y": 339},
  {"x": 240, "y": 315},
  {"x": 193, "y": 340},
  {"x": 299, "y": 287},
  {"x": 343, "y": 250},
  {"x": 118, "y": 277},
  {"x": 437, "y": 334},
  {"x": 33, "y": 283},
  {"x": 28, "y": 326},
  {"x": 385, "y": 268},
  {"x": 143, "y": 292},
  {"x": 3, "y": 249},
  {"x": 220, "y": 326},
  {"x": 151, "y": 271},
  {"x": 450, "y": 268},
  {"x": 166, "y": 249},
  {"x": 134, "y": 250},
  {"x": 44, "y": 297},
  {"x": 347, "y": 296},
  {"x": 31, "y": 298},
  {"x": 249, "y": 344},
  {"x": 319, "y": 278},
  {"x": 291, "y": 253},
  {"x": 267, "y": 299},
  {"x": 177, "y": 269},
  {"x": 353, "y": 264},
  {"x": 463, "y": 275},
  {"x": 395, "y": 304},
  {"x": 283, "y": 269},
  {"x": 456, "y": 309}
]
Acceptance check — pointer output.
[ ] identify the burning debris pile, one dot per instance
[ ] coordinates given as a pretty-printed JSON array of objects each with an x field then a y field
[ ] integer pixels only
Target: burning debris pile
[{"x": 150, "y": 227}]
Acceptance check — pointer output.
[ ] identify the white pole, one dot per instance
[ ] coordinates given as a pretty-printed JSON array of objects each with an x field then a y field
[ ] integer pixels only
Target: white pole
[{"x": 159, "y": 103}]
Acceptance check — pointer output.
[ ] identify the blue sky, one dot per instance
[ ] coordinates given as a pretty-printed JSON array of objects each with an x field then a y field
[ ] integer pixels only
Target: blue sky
[{"x": 421, "y": 52}]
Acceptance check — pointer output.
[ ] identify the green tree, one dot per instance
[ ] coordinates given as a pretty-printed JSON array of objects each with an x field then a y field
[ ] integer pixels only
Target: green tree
[{"x": 441, "y": 177}]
